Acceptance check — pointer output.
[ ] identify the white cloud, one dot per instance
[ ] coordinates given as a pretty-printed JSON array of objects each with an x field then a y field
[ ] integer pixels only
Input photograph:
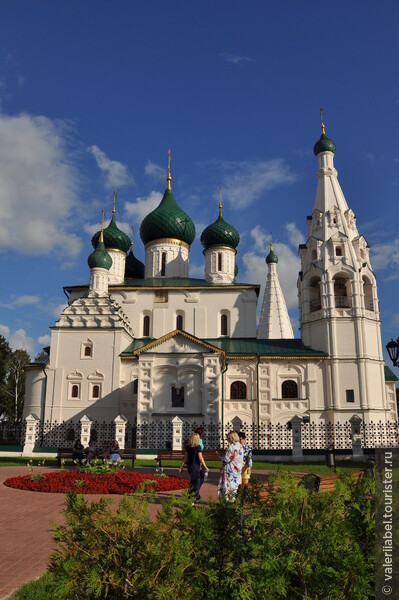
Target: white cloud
[
  {"x": 143, "y": 206},
  {"x": 155, "y": 171},
  {"x": 197, "y": 271},
  {"x": 385, "y": 256},
  {"x": 20, "y": 340},
  {"x": 4, "y": 331},
  {"x": 44, "y": 339},
  {"x": 235, "y": 59},
  {"x": 295, "y": 236},
  {"x": 116, "y": 173},
  {"x": 21, "y": 301},
  {"x": 244, "y": 182},
  {"x": 57, "y": 310},
  {"x": 38, "y": 186}
]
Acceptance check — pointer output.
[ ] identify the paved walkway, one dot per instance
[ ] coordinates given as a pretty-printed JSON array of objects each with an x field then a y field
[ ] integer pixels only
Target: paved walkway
[{"x": 25, "y": 525}]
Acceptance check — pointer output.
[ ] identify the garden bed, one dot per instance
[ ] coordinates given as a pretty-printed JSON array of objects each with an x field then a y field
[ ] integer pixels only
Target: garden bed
[{"x": 119, "y": 482}]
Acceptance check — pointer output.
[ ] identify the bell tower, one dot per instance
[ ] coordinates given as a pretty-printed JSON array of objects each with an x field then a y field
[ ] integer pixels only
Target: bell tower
[{"x": 338, "y": 303}]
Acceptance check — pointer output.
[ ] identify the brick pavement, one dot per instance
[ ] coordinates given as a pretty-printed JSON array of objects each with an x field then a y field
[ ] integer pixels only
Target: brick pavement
[{"x": 25, "y": 524}]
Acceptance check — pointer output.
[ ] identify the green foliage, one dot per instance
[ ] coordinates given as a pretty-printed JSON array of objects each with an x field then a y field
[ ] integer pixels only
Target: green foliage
[
  {"x": 39, "y": 589},
  {"x": 293, "y": 544},
  {"x": 98, "y": 466},
  {"x": 12, "y": 381}
]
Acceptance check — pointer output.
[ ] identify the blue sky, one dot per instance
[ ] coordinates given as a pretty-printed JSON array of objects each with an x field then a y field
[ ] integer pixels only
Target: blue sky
[{"x": 92, "y": 94}]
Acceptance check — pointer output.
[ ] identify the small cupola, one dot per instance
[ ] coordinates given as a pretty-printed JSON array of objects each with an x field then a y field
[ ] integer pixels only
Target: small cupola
[
  {"x": 324, "y": 144},
  {"x": 220, "y": 240},
  {"x": 167, "y": 233},
  {"x": 100, "y": 263}
]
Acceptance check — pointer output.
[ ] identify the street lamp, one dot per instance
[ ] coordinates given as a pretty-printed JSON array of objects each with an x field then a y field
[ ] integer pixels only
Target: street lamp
[{"x": 393, "y": 351}]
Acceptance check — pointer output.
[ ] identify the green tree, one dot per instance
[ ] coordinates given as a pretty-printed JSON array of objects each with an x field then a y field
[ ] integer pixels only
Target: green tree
[
  {"x": 5, "y": 353},
  {"x": 42, "y": 357},
  {"x": 13, "y": 386}
]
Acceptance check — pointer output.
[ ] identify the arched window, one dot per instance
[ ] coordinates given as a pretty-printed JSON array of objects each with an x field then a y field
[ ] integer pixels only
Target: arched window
[
  {"x": 75, "y": 391},
  {"x": 238, "y": 390},
  {"x": 314, "y": 294},
  {"x": 135, "y": 385},
  {"x": 223, "y": 325},
  {"x": 177, "y": 397},
  {"x": 87, "y": 350},
  {"x": 342, "y": 292},
  {"x": 219, "y": 261},
  {"x": 95, "y": 391},
  {"x": 368, "y": 294},
  {"x": 179, "y": 322},
  {"x": 163, "y": 264},
  {"x": 289, "y": 389},
  {"x": 146, "y": 326}
]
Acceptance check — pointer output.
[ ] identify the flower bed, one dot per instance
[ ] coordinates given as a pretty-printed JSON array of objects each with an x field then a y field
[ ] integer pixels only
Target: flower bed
[{"x": 120, "y": 482}]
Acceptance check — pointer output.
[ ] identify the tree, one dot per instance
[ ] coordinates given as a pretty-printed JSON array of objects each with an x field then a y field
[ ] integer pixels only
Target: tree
[
  {"x": 42, "y": 357},
  {"x": 13, "y": 386},
  {"x": 5, "y": 353}
]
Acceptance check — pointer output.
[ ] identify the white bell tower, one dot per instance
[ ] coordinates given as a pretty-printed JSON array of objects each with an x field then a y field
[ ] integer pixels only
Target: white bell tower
[{"x": 338, "y": 303}]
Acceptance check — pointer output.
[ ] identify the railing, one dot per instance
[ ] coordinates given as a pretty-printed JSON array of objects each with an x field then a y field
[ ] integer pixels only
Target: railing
[
  {"x": 314, "y": 304},
  {"x": 342, "y": 302},
  {"x": 266, "y": 436}
]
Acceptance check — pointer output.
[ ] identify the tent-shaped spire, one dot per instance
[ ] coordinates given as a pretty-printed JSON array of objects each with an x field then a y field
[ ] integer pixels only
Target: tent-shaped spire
[{"x": 274, "y": 320}]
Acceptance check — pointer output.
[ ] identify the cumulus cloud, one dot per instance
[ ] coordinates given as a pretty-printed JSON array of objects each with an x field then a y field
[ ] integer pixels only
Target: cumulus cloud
[
  {"x": 21, "y": 301},
  {"x": 44, "y": 339},
  {"x": 4, "y": 331},
  {"x": 142, "y": 206},
  {"x": 155, "y": 171},
  {"x": 295, "y": 236},
  {"x": 19, "y": 340},
  {"x": 380, "y": 252},
  {"x": 57, "y": 310},
  {"x": 116, "y": 174},
  {"x": 244, "y": 182},
  {"x": 38, "y": 186}
]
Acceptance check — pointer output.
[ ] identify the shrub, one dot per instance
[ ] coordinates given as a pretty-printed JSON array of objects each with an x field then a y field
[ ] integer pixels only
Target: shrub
[{"x": 292, "y": 545}]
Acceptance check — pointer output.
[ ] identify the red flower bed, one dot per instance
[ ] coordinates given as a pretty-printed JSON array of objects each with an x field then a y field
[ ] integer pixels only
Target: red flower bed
[{"x": 121, "y": 482}]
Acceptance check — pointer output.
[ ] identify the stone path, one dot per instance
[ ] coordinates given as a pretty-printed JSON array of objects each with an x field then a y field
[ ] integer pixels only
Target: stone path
[{"x": 25, "y": 525}]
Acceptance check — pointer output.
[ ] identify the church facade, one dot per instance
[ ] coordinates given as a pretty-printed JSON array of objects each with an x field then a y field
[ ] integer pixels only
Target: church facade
[{"x": 150, "y": 343}]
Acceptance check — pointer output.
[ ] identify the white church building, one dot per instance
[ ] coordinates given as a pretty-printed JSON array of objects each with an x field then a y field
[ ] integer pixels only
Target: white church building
[{"x": 147, "y": 343}]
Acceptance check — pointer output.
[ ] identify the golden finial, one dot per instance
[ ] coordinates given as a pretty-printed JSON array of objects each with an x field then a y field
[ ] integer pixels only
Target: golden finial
[
  {"x": 323, "y": 131},
  {"x": 113, "y": 209},
  {"x": 169, "y": 177},
  {"x": 101, "y": 238},
  {"x": 220, "y": 201},
  {"x": 131, "y": 241},
  {"x": 271, "y": 242}
]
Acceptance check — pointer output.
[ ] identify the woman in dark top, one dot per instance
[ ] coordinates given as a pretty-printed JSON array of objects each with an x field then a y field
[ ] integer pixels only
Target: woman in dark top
[{"x": 193, "y": 459}]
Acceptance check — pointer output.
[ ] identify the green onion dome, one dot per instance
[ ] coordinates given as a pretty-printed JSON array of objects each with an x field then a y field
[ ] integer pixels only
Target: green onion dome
[
  {"x": 324, "y": 145},
  {"x": 113, "y": 237},
  {"x": 134, "y": 268},
  {"x": 271, "y": 257},
  {"x": 220, "y": 233},
  {"x": 167, "y": 221},
  {"x": 100, "y": 258}
]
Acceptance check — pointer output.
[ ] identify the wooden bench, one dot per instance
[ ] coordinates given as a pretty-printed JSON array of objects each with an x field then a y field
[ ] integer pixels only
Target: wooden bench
[
  {"x": 316, "y": 483},
  {"x": 208, "y": 455},
  {"x": 125, "y": 454}
]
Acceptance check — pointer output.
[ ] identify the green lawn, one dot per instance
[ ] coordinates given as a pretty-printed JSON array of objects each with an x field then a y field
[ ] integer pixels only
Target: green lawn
[{"x": 316, "y": 467}]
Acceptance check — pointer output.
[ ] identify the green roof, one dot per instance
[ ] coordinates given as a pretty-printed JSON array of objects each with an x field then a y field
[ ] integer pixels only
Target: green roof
[
  {"x": 100, "y": 258},
  {"x": 271, "y": 258},
  {"x": 220, "y": 233},
  {"x": 113, "y": 237},
  {"x": 324, "y": 145},
  {"x": 168, "y": 220},
  {"x": 178, "y": 282},
  {"x": 134, "y": 268},
  {"x": 389, "y": 375},
  {"x": 289, "y": 348}
]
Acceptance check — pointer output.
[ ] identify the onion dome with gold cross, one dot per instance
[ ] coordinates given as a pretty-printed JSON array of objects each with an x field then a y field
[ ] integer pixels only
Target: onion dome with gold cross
[
  {"x": 114, "y": 238},
  {"x": 271, "y": 257},
  {"x": 220, "y": 233},
  {"x": 134, "y": 268},
  {"x": 100, "y": 258},
  {"x": 324, "y": 144},
  {"x": 168, "y": 220}
]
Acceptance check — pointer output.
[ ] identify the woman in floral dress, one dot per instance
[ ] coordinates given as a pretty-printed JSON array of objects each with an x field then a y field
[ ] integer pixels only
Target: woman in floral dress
[{"x": 230, "y": 475}]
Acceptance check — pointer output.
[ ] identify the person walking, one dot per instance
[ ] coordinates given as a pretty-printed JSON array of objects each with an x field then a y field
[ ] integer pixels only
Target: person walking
[
  {"x": 230, "y": 475},
  {"x": 247, "y": 460},
  {"x": 194, "y": 460}
]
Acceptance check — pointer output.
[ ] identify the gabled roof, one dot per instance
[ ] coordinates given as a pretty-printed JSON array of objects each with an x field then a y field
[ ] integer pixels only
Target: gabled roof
[
  {"x": 233, "y": 347},
  {"x": 389, "y": 375},
  {"x": 148, "y": 344}
]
